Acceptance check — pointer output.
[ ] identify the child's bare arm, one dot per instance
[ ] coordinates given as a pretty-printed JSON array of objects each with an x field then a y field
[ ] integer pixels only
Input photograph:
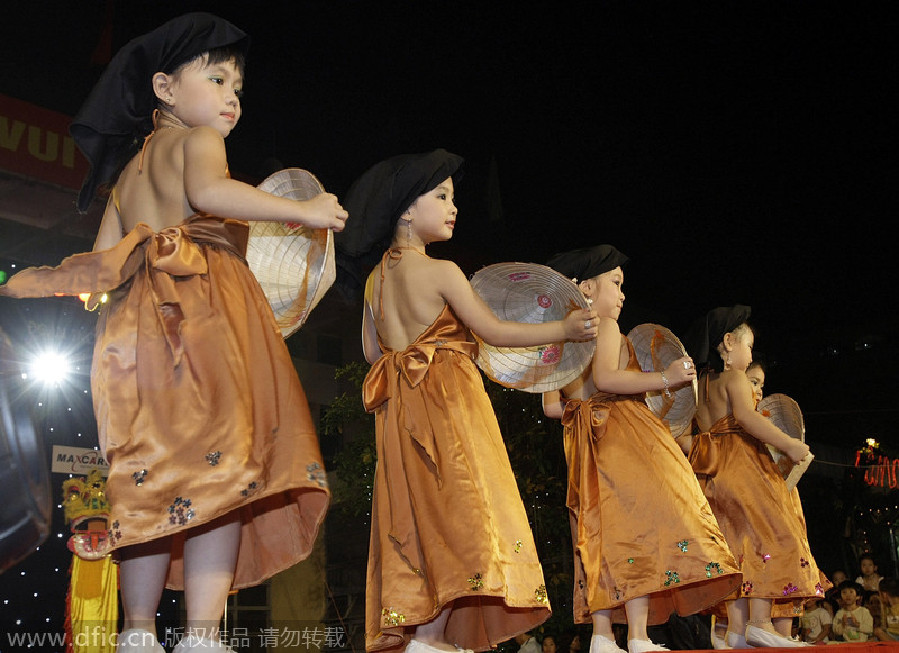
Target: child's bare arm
[
  {"x": 608, "y": 378},
  {"x": 553, "y": 406},
  {"x": 477, "y": 316},
  {"x": 739, "y": 393},
  {"x": 110, "y": 232},
  {"x": 209, "y": 189}
]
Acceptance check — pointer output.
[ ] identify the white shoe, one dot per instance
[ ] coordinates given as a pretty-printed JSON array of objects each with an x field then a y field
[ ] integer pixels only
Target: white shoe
[
  {"x": 760, "y": 637},
  {"x": 137, "y": 640},
  {"x": 201, "y": 645},
  {"x": 418, "y": 646},
  {"x": 602, "y": 644},
  {"x": 643, "y": 645},
  {"x": 735, "y": 640},
  {"x": 718, "y": 642}
]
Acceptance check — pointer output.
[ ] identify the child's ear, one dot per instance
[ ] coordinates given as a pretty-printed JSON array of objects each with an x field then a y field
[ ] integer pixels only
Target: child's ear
[
  {"x": 162, "y": 87},
  {"x": 587, "y": 287},
  {"x": 728, "y": 341}
]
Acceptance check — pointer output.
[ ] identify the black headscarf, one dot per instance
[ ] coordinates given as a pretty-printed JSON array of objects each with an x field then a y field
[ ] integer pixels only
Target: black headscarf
[
  {"x": 707, "y": 333},
  {"x": 117, "y": 114},
  {"x": 375, "y": 202},
  {"x": 587, "y": 262}
]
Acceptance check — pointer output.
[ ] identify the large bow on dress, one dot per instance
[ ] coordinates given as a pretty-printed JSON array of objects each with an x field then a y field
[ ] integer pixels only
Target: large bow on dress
[
  {"x": 584, "y": 422},
  {"x": 393, "y": 390},
  {"x": 173, "y": 252},
  {"x": 705, "y": 455}
]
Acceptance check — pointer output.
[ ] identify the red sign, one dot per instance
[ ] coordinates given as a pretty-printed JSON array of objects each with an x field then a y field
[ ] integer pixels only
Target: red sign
[
  {"x": 35, "y": 142},
  {"x": 883, "y": 472}
]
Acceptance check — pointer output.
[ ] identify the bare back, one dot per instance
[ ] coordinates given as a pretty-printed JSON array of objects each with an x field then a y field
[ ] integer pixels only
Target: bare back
[
  {"x": 408, "y": 299},
  {"x": 713, "y": 400},
  {"x": 155, "y": 194}
]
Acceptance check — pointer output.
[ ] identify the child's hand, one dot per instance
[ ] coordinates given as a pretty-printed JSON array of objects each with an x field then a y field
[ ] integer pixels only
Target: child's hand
[
  {"x": 323, "y": 212},
  {"x": 580, "y": 324},
  {"x": 681, "y": 371},
  {"x": 797, "y": 450}
]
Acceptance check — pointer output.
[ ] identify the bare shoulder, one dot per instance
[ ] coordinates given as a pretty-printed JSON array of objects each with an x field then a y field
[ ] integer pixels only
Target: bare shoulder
[
  {"x": 733, "y": 378},
  {"x": 446, "y": 275},
  {"x": 608, "y": 325}
]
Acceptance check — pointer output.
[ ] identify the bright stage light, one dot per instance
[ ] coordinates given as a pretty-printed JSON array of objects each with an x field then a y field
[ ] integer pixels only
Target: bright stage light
[{"x": 49, "y": 368}]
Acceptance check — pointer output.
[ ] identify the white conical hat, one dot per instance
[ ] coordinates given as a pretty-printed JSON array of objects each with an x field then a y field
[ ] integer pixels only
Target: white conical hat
[
  {"x": 293, "y": 264},
  {"x": 531, "y": 293},
  {"x": 656, "y": 348}
]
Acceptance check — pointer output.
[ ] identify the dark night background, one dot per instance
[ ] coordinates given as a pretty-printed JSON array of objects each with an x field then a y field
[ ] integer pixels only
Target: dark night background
[{"x": 738, "y": 152}]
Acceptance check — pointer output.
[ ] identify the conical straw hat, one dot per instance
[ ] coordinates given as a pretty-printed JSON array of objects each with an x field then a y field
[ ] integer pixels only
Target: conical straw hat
[
  {"x": 656, "y": 348},
  {"x": 530, "y": 293},
  {"x": 293, "y": 264},
  {"x": 785, "y": 413}
]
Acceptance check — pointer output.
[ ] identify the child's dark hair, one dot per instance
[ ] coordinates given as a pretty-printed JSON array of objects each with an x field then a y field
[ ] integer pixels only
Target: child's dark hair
[
  {"x": 850, "y": 585},
  {"x": 235, "y": 52},
  {"x": 867, "y": 556},
  {"x": 890, "y": 587},
  {"x": 759, "y": 364}
]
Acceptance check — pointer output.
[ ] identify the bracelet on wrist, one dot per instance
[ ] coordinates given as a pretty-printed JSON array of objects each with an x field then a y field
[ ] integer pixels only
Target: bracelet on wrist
[{"x": 667, "y": 385}]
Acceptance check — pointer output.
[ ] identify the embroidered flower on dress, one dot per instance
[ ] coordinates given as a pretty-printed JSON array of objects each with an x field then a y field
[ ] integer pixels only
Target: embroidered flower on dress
[
  {"x": 789, "y": 588},
  {"x": 803, "y": 563},
  {"x": 114, "y": 534},
  {"x": 314, "y": 472},
  {"x": 518, "y": 544},
  {"x": 392, "y": 617},
  {"x": 766, "y": 557},
  {"x": 180, "y": 512},
  {"x": 682, "y": 545},
  {"x": 713, "y": 565},
  {"x": 213, "y": 457},
  {"x": 747, "y": 587},
  {"x": 672, "y": 577},
  {"x": 540, "y": 594},
  {"x": 476, "y": 582},
  {"x": 139, "y": 477},
  {"x": 544, "y": 301},
  {"x": 819, "y": 589},
  {"x": 250, "y": 489}
]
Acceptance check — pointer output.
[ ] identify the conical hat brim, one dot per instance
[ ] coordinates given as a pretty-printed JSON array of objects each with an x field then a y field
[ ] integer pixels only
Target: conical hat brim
[
  {"x": 533, "y": 294},
  {"x": 293, "y": 264},
  {"x": 656, "y": 348}
]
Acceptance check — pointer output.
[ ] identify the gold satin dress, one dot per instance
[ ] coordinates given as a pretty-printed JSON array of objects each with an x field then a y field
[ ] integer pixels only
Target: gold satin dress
[
  {"x": 448, "y": 524},
  {"x": 639, "y": 521},
  {"x": 199, "y": 408},
  {"x": 747, "y": 493}
]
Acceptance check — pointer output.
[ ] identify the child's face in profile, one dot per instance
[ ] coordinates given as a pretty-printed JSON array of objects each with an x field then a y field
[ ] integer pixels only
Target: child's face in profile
[
  {"x": 868, "y": 567},
  {"x": 608, "y": 298},
  {"x": 207, "y": 95},
  {"x": 848, "y": 597},
  {"x": 757, "y": 380}
]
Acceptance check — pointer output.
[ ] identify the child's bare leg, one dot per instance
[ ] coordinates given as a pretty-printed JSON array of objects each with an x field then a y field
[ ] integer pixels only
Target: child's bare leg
[
  {"x": 637, "y": 611},
  {"x": 602, "y": 624},
  {"x": 142, "y": 578},
  {"x": 783, "y": 626},
  {"x": 210, "y": 557},
  {"x": 433, "y": 633},
  {"x": 737, "y": 615},
  {"x": 760, "y": 614}
]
